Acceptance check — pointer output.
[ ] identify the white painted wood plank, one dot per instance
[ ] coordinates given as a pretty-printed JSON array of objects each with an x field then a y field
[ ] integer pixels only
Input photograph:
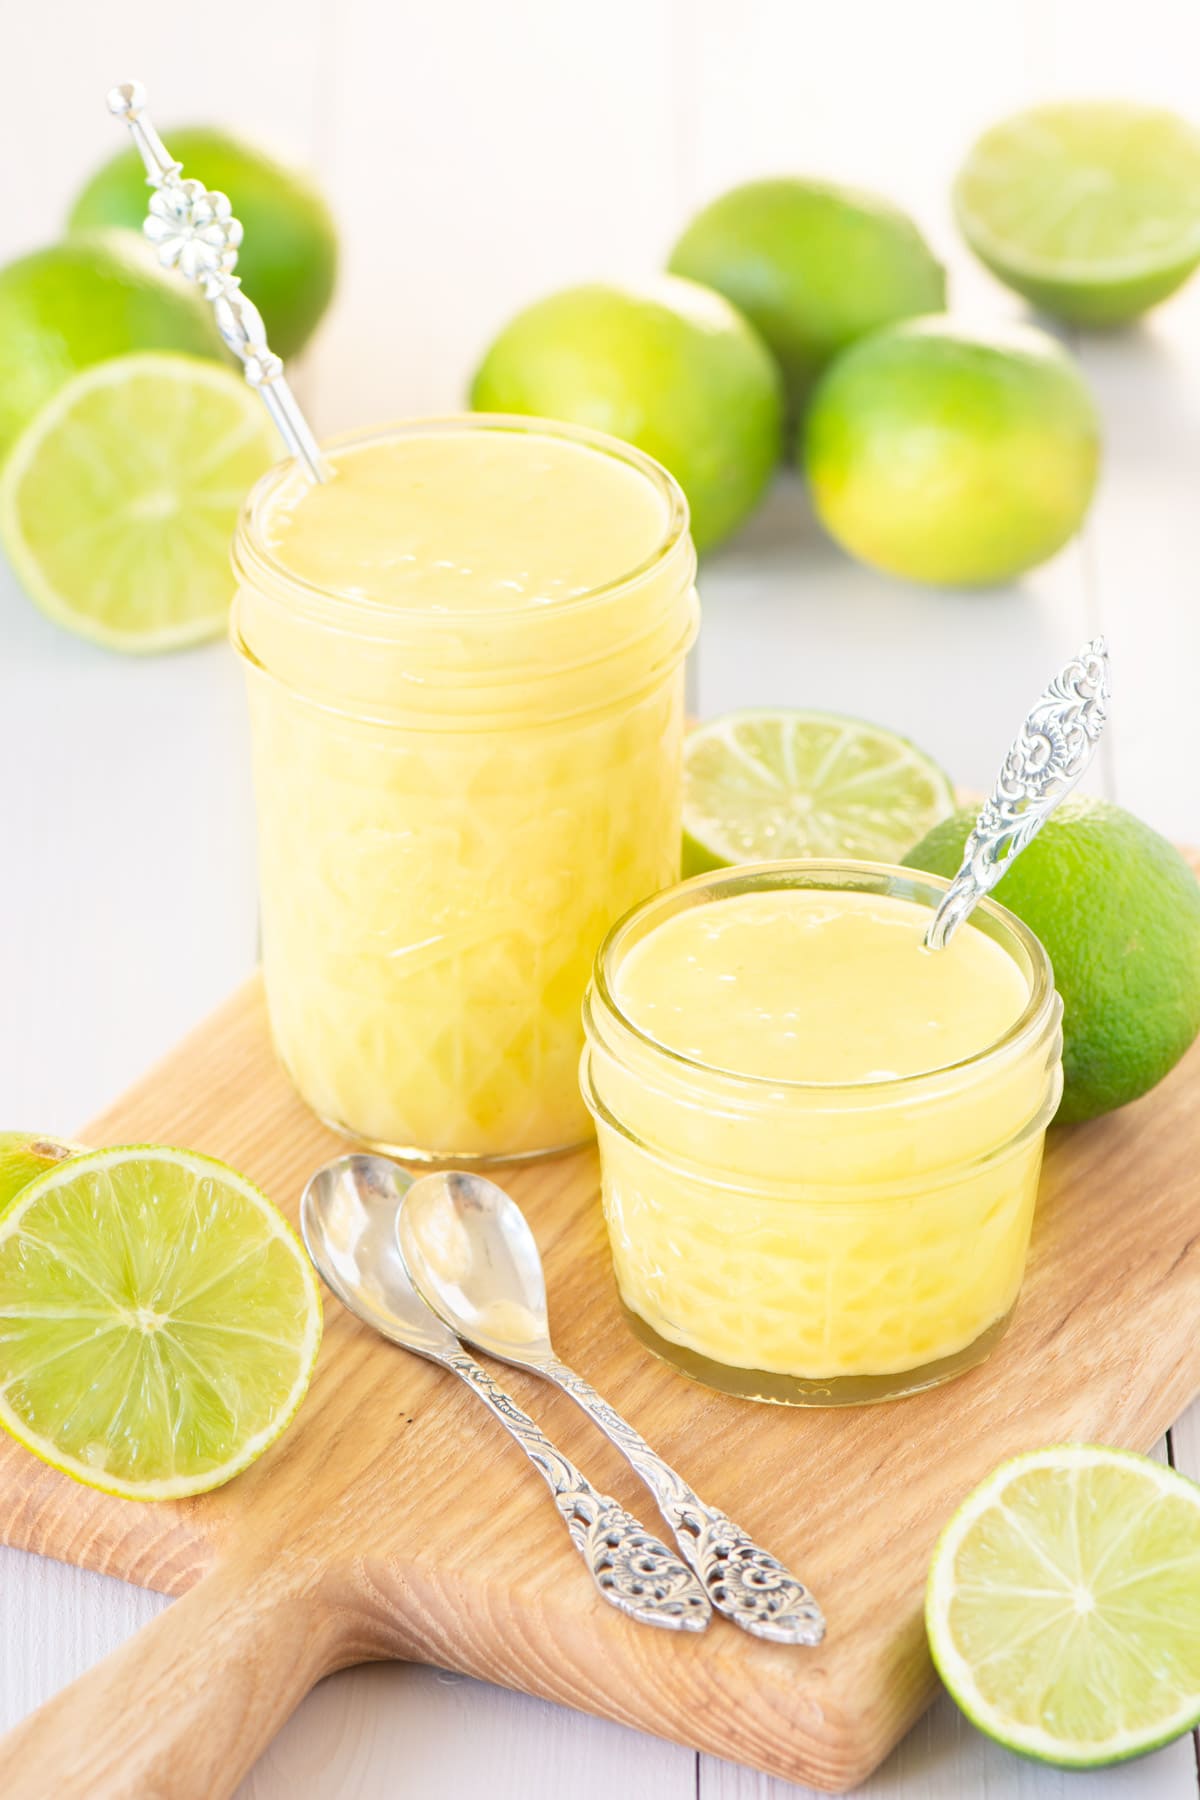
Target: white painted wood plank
[
  {"x": 55, "y": 1622},
  {"x": 484, "y": 155},
  {"x": 129, "y": 908},
  {"x": 945, "y": 1758},
  {"x": 398, "y": 1730},
  {"x": 1144, "y": 545}
]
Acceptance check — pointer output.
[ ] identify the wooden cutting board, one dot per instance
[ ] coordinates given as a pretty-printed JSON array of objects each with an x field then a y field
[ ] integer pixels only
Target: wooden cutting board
[{"x": 395, "y": 1519}]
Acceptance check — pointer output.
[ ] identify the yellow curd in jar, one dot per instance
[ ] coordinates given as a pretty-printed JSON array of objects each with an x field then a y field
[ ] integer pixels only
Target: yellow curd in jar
[
  {"x": 820, "y": 1141},
  {"x": 465, "y": 666}
]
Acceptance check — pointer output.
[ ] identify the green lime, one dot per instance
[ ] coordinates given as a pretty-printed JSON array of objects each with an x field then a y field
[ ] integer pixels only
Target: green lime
[
  {"x": 75, "y": 304},
  {"x": 950, "y": 455},
  {"x": 118, "y": 503},
  {"x": 288, "y": 257},
  {"x": 160, "y": 1321},
  {"x": 761, "y": 785},
  {"x": 24, "y": 1155},
  {"x": 1063, "y": 1602},
  {"x": 814, "y": 267},
  {"x": 1090, "y": 208},
  {"x": 668, "y": 366},
  {"x": 1118, "y": 910}
]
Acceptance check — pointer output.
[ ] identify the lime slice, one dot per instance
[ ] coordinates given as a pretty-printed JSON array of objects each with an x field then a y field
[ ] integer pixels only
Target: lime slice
[
  {"x": 763, "y": 785},
  {"x": 119, "y": 499},
  {"x": 159, "y": 1321},
  {"x": 1063, "y": 1601},
  {"x": 1091, "y": 209}
]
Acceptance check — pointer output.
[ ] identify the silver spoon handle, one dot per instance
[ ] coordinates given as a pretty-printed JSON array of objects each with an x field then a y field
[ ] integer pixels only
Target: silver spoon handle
[
  {"x": 746, "y": 1583},
  {"x": 1054, "y": 747},
  {"x": 632, "y": 1570},
  {"x": 194, "y": 231}
]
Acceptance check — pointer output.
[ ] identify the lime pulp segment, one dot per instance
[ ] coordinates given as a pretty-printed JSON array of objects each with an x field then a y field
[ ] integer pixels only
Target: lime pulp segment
[
  {"x": 762, "y": 785},
  {"x": 1063, "y": 1602},
  {"x": 118, "y": 501},
  {"x": 159, "y": 1321}
]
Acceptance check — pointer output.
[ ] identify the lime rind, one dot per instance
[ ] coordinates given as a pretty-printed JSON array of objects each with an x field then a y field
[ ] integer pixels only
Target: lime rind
[
  {"x": 100, "y": 1358},
  {"x": 119, "y": 499},
  {"x": 769, "y": 783},
  {"x": 957, "y": 1671}
]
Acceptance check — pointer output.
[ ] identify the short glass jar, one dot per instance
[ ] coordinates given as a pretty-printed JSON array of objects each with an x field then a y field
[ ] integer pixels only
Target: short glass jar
[
  {"x": 809, "y": 1243},
  {"x": 455, "y": 803}
]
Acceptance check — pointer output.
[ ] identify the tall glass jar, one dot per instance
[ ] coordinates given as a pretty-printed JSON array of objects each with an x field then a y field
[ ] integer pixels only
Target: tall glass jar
[
  {"x": 808, "y": 1242},
  {"x": 454, "y": 804}
]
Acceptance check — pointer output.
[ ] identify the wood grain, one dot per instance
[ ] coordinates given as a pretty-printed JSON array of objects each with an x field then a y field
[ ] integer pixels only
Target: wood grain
[{"x": 395, "y": 1521}]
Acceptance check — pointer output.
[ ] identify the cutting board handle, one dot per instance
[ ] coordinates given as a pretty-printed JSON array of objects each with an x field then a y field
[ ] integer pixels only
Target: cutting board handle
[{"x": 183, "y": 1709}]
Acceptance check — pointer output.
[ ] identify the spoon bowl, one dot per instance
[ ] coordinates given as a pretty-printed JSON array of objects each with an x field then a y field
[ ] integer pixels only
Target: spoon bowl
[
  {"x": 472, "y": 1255},
  {"x": 348, "y": 1223}
]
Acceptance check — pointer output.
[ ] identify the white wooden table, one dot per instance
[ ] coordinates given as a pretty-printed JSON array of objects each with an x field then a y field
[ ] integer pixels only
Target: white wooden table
[{"x": 478, "y": 155}]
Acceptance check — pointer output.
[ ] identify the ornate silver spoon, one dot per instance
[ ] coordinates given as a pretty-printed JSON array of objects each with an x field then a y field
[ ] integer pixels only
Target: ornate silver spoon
[
  {"x": 1054, "y": 747},
  {"x": 472, "y": 1256},
  {"x": 348, "y": 1222},
  {"x": 194, "y": 231}
]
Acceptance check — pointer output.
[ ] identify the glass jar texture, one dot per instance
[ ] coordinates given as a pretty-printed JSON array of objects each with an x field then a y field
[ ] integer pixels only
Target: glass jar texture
[
  {"x": 812, "y": 1243},
  {"x": 452, "y": 808}
]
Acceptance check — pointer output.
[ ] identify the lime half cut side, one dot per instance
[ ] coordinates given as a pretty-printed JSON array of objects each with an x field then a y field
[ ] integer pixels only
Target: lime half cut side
[
  {"x": 1091, "y": 209},
  {"x": 159, "y": 1321},
  {"x": 1063, "y": 1606},
  {"x": 761, "y": 785},
  {"x": 119, "y": 500}
]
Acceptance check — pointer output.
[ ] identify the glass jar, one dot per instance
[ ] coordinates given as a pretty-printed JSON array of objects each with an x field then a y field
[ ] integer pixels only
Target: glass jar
[
  {"x": 453, "y": 807},
  {"x": 813, "y": 1244}
]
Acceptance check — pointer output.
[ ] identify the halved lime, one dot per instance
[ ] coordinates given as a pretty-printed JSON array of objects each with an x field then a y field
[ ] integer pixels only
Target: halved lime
[
  {"x": 1089, "y": 208},
  {"x": 1064, "y": 1601},
  {"x": 119, "y": 499},
  {"x": 159, "y": 1321},
  {"x": 760, "y": 785}
]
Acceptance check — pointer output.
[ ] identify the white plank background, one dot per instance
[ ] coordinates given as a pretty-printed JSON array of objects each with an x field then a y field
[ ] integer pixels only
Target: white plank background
[{"x": 478, "y": 155}]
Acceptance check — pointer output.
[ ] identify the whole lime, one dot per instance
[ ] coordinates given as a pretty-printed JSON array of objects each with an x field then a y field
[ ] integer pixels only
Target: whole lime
[
  {"x": 1090, "y": 208},
  {"x": 814, "y": 267},
  {"x": 1118, "y": 910},
  {"x": 670, "y": 367},
  {"x": 946, "y": 454},
  {"x": 24, "y": 1155},
  {"x": 288, "y": 258},
  {"x": 80, "y": 302}
]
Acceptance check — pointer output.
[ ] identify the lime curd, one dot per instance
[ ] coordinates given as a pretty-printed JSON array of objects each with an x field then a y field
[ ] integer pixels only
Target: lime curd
[
  {"x": 820, "y": 1141},
  {"x": 465, "y": 663}
]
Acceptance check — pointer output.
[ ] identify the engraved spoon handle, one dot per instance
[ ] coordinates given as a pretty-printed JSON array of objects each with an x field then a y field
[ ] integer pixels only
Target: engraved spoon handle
[
  {"x": 194, "y": 231},
  {"x": 1053, "y": 748},
  {"x": 746, "y": 1583},
  {"x": 632, "y": 1569}
]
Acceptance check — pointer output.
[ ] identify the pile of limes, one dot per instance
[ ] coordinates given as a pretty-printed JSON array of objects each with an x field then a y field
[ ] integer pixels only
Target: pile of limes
[
  {"x": 935, "y": 451},
  {"x": 127, "y": 441}
]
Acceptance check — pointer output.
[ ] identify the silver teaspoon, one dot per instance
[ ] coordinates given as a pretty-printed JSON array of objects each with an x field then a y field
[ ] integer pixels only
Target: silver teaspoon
[
  {"x": 471, "y": 1254},
  {"x": 348, "y": 1222},
  {"x": 1049, "y": 755}
]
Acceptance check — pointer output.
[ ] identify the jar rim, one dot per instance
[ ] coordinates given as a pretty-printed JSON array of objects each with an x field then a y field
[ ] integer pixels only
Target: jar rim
[
  {"x": 250, "y": 552},
  {"x": 805, "y": 872}
]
